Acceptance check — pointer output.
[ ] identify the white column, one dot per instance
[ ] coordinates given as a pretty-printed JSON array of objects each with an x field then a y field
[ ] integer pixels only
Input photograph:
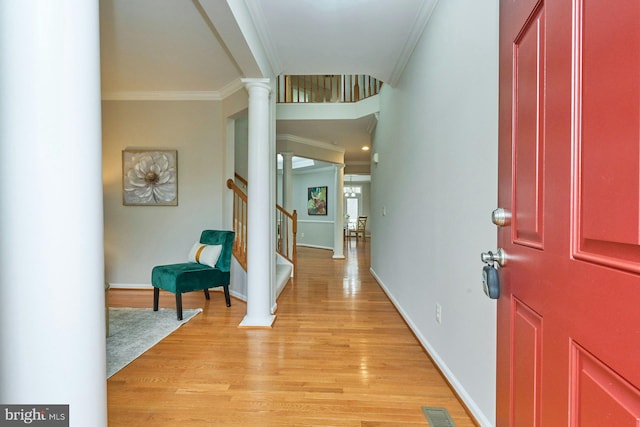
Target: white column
[
  {"x": 259, "y": 250},
  {"x": 287, "y": 181},
  {"x": 52, "y": 314},
  {"x": 338, "y": 231}
]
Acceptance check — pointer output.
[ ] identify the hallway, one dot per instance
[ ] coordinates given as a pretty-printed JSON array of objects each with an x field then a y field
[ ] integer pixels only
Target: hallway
[{"x": 338, "y": 354}]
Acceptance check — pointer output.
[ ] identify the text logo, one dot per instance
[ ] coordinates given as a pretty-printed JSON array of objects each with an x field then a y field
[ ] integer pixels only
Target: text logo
[{"x": 35, "y": 415}]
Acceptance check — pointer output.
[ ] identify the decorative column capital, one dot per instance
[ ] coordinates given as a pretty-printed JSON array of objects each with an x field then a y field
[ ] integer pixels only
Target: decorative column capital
[
  {"x": 253, "y": 84},
  {"x": 287, "y": 154}
]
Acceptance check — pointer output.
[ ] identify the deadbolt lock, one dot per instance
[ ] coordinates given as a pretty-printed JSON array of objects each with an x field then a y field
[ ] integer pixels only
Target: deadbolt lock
[{"x": 501, "y": 217}]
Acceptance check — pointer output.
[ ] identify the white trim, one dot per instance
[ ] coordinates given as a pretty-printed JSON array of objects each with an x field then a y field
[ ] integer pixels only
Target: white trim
[
  {"x": 262, "y": 83},
  {"x": 175, "y": 95},
  {"x": 314, "y": 246},
  {"x": 309, "y": 142},
  {"x": 162, "y": 96},
  {"x": 231, "y": 88},
  {"x": 258, "y": 322},
  {"x": 315, "y": 221},
  {"x": 130, "y": 286},
  {"x": 422, "y": 18},
  {"x": 261, "y": 28},
  {"x": 328, "y": 110},
  {"x": 311, "y": 170},
  {"x": 457, "y": 386},
  {"x": 232, "y": 293}
]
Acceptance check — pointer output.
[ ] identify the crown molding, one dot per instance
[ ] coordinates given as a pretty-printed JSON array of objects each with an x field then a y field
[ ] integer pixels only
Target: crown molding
[
  {"x": 260, "y": 26},
  {"x": 310, "y": 142},
  {"x": 162, "y": 96},
  {"x": 231, "y": 88},
  {"x": 422, "y": 18},
  {"x": 175, "y": 95},
  {"x": 321, "y": 169}
]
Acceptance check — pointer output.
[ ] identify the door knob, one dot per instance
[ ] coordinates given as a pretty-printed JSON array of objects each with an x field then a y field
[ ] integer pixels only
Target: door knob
[
  {"x": 501, "y": 217},
  {"x": 490, "y": 257}
]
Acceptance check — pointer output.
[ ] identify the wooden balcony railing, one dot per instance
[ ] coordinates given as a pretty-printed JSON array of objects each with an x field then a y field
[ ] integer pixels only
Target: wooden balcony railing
[
  {"x": 326, "y": 88},
  {"x": 239, "y": 223}
]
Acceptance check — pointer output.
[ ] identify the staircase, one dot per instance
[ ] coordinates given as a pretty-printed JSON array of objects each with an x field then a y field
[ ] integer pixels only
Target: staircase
[
  {"x": 286, "y": 230},
  {"x": 284, "y": 271},
  {"x": 239, "y": 222}
]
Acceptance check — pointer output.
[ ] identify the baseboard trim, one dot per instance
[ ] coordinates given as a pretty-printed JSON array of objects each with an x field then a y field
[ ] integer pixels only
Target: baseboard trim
[
  {"x": 315, "y": 246},
  {"x": 474, "y": 412},
  {"x": 142, "y": 286},
  {"x": 130, "y": 286}
]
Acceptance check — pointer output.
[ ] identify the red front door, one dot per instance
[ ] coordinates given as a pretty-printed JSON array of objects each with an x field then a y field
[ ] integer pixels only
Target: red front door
[{"x": 569, "y": 173}]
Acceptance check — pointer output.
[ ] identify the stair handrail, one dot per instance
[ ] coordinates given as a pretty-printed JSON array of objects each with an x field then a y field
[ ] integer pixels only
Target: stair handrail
[
  {"x": 240, "y": 178},
  {"x": 286, "y": 226},
  {"x": 239, "y": 223},
  {"x": 286, "y": 230}
]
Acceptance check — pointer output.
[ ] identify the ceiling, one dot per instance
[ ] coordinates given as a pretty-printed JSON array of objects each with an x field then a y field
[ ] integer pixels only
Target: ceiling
[
  {"x": 199, "y": 49},
  {"x": 350, "y": 134}
]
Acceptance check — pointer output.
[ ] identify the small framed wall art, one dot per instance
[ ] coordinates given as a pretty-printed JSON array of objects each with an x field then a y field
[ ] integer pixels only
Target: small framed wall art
[
  {"x": 149, "y": 177},
  {"x": 317, "y": 200}
]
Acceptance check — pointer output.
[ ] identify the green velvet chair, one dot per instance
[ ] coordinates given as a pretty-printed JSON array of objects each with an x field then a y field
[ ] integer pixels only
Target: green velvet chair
[{"x": 193, "y": 276}]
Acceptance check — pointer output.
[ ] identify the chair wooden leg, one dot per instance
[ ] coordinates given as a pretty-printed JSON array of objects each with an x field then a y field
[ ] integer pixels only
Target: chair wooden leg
[
  {"x": 156, "y": 297},
  {"x": 179, "y": 305},
  {"x": 226, "y": 295},
  {"x": 206, "y": 294}
]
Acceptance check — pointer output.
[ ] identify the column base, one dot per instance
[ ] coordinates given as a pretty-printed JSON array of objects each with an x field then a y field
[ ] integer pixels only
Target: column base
[
  {"x": 257, "y": 322},
  {"x": 338, "y": 257}
]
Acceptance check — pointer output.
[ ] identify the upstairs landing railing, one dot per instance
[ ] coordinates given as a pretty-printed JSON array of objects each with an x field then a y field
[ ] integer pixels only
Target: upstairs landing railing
[{"x": 327, "y": 88}]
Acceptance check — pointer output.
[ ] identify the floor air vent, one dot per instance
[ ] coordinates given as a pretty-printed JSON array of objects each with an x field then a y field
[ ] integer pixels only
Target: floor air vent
[{"x": 438, "y": 417}]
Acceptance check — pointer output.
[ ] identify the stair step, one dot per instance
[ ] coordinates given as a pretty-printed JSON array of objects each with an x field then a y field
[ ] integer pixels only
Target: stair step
[{"x": 283, "y": 274}]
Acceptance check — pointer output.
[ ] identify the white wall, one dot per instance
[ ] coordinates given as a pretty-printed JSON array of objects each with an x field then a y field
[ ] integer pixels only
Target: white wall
[
  {"x": 437, "y": 179},
  {"x": 364, "y": 202},
  {"x": 241, "y": 159},
  {"x": 139, "y": 237},
  {"x": 318, "y": 230},
  {"x": 315, "y": 230}
]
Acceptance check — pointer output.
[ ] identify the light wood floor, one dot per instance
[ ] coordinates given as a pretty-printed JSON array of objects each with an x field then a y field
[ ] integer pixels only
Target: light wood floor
[{"x": 339, "y": 354}]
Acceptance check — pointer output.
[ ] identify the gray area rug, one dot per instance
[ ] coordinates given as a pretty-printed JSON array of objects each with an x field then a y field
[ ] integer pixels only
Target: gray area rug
[{"x": 132, "y": 331}]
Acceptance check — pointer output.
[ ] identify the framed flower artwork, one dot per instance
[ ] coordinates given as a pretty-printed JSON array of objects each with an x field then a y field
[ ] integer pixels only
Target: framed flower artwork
[{"x": 149, "y": 177}]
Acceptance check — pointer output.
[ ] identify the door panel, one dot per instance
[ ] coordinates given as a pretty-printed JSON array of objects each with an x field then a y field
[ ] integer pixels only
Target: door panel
[
  {"x": 569, "y": 171},
  {"x": 600, "y": 397},
  {"x": 528, "y": 144},
  {"x": 607, "y": 91},
  {"x": 527, "y": 332}
]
